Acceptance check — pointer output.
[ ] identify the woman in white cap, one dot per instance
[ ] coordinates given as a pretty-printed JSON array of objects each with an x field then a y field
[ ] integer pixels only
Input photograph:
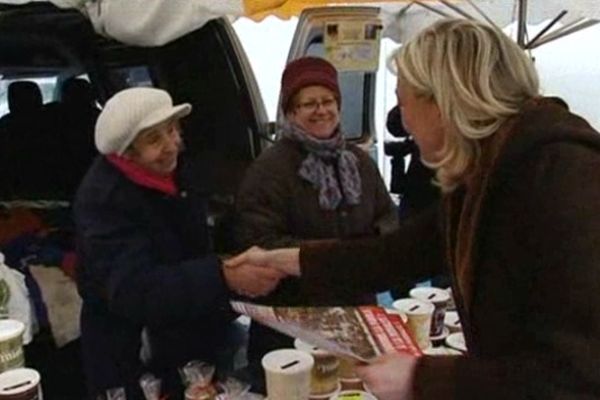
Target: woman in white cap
[{"x": 144, "y": 252}]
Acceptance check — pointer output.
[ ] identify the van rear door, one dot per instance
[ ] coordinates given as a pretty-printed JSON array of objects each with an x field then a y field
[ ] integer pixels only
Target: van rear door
[{"x": 349, "y": 37}]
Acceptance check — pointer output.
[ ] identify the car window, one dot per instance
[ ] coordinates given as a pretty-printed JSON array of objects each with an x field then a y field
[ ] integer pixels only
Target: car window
[
  {"x": 130, "y": 76},
  {"x": 352, "y": 106},
  {"x": 47, "y": 85}
]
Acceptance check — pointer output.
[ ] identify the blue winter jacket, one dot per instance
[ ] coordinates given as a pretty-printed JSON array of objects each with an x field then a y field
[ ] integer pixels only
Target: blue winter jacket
[{"x": 145, "y": 263}]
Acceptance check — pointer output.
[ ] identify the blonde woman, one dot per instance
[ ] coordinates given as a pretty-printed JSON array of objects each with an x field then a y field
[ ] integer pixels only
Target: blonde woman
[{"x": 519, "y": 227}]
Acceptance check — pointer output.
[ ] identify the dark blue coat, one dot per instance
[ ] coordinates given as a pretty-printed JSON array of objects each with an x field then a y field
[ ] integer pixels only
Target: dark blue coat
[{"x": 145, "y": 263}]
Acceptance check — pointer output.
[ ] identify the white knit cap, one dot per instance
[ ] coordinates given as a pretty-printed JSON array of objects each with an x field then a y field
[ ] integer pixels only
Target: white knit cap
[{"x": 129, "y": 112}]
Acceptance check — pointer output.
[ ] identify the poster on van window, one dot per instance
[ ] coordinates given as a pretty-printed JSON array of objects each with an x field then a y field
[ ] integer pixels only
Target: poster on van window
[{"x": 353, "y": 45}]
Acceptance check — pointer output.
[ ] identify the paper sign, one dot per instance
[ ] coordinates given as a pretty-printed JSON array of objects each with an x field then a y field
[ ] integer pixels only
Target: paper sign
[{"x": 353, "y": 45}]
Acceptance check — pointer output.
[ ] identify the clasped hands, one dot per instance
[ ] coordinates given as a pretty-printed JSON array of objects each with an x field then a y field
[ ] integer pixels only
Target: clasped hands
[{"x": 257, "y": 272}]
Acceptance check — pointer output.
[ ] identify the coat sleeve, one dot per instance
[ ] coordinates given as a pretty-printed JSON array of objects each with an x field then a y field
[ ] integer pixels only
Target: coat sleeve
[
  {"x": 375, "y": 264},
  {"x": 554, "y": 196},
  {"x": 261, "y": 206},
  {"x": 119, "y": 269}
]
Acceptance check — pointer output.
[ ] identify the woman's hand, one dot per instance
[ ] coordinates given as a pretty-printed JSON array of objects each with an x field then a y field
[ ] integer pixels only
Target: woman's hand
[
  {"x": 286, "y": 261},
  {"x": 252, "y": 281},
  {"x": 389, "y": 377}
]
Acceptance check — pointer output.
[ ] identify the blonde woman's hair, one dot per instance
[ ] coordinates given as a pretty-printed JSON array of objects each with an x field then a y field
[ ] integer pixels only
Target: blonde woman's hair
[{"x": 477, "y": 76}]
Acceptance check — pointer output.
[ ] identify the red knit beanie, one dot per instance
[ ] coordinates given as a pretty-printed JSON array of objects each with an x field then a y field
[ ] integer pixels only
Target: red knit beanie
[{"x": 308, "y": 71}]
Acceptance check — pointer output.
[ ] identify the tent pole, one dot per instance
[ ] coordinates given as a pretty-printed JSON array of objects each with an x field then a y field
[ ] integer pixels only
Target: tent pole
[
  {"x": 522, "y": 23},
  {"x": 572, "y": 28},
  {"x": 531, "y": 43}
]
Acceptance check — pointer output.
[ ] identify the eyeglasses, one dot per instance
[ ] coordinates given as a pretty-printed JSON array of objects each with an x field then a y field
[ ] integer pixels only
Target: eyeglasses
[{"x": 313, "y": 105}]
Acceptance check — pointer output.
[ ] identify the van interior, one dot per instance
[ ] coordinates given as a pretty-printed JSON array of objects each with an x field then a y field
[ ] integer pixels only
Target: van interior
[{"x": 55, "y": 74}]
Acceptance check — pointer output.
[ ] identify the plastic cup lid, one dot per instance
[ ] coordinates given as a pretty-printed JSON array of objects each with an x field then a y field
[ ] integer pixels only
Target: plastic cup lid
[
  {"x": 413, "y": 306},
  {"x": 287, "y": 361},
  {"x": 431, "y": 294},
  {"x": 18, "y": 380},
  {"x": 10, "y": 328},
  {"x": 353, "y": 395}
]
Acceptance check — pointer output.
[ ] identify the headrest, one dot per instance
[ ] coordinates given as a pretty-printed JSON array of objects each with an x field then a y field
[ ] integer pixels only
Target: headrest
[
  {"x": 77, "y": 91},
  {"x": 24, "y": 96}
]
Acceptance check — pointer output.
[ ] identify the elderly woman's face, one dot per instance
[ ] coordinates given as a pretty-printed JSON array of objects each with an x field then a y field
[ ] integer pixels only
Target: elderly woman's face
[
  {"x": 315, "y": 109},
  {"x": 422, "y": 119},
  {"x": 157, "y": 148}
]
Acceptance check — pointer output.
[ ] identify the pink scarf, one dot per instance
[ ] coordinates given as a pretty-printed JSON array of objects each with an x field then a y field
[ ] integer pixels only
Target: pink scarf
[{"x": 142, "y": 176}]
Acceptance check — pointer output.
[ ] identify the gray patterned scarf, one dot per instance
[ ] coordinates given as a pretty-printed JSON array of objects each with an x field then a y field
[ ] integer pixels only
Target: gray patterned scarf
[{"x": 319, "y": 167}]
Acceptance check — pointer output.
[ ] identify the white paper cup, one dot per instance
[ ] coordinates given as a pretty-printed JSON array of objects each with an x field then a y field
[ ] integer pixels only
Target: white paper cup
[
  {"x": 324, "y": 373},
  {"x": 419, "y": 319},
  {"x": 439, "y": 298},
  {"x": 452, "y": 321},
  {"x": 457, "y": 341},
  {"x": 287, "y": 373},
  {"x": 20, "y": 384},
  {"x": 11, "y": 344}
]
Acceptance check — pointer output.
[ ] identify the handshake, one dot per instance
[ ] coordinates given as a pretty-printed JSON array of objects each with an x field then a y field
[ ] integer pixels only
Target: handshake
[{"x": 257, "y": 272}]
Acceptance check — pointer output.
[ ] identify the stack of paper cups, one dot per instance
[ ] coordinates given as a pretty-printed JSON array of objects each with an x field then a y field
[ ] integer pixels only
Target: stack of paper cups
[
  {"x": 439, "y": 298},
  {"x": 287, "y": 373},
  {"x": 419, "y": 315}
]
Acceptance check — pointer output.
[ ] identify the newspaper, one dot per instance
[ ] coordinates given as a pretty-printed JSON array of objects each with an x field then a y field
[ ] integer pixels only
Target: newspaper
[{"x": 362, "y": 332}]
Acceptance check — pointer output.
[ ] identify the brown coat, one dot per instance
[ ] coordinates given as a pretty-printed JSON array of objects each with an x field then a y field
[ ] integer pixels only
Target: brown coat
[
  {"x": 278, "y": 208},
  {"x": 522, "y": 241}
]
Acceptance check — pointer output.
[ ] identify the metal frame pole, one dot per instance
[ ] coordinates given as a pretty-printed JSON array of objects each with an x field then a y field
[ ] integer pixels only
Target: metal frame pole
[{"x": 522, "y": 23}]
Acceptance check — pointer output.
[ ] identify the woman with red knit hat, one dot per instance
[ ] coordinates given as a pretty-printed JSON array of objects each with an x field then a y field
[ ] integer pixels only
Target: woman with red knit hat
[{"x": 311, "y": 184}]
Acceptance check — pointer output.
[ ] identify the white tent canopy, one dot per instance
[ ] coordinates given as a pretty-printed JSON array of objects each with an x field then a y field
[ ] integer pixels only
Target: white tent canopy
[
  {"x": 402, "y": 22},
  {"x": 156, "y": 22}
]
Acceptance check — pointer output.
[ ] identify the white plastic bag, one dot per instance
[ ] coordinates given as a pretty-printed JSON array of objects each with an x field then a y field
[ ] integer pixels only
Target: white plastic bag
[{"x": 19, "y": 305}]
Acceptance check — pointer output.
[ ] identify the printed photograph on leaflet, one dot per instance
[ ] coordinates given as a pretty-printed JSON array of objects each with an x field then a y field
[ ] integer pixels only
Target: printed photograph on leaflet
[{"x": 362, "y": 332}]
